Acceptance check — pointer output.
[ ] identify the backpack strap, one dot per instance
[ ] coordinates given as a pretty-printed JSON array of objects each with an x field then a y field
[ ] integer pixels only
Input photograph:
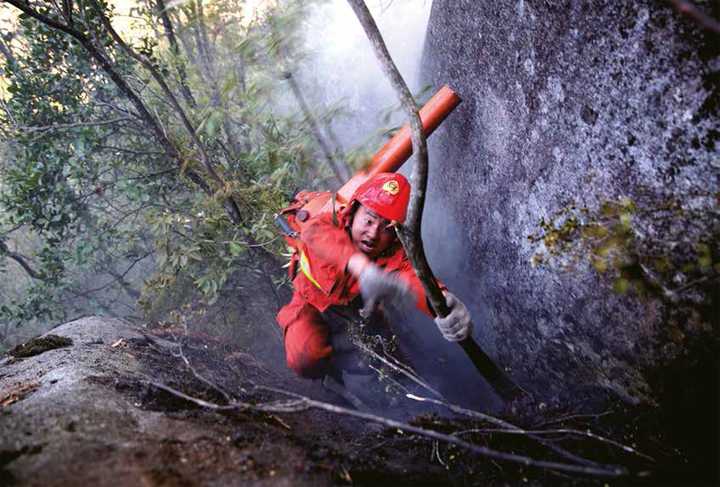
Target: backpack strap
[{"x": 334, "y": 210}]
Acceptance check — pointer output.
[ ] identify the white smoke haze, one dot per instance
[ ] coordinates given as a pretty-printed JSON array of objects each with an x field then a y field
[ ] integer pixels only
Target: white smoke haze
[{"x": 341, "y": 68}]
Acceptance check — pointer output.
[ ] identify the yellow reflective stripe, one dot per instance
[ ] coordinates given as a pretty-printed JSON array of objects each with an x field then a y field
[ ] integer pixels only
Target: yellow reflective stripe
[{"x": 305, "y": 268}]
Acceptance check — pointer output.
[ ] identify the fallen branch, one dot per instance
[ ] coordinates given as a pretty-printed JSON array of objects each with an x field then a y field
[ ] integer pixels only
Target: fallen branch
[
  {"x": 507, "y": 426},
  {"x": 301, "y": 403},
  {"x": 211, "y": 384},
  {"x": 561, "y": 431},
  {"x": 398, "y": 368}
]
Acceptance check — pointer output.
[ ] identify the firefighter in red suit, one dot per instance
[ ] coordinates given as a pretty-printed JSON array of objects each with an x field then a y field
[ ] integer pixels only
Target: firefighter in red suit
[{"x": 355, "y": 252}]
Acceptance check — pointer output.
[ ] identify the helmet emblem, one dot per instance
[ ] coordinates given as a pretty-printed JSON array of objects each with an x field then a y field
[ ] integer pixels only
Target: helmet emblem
[{"x": 392, "y": 187}]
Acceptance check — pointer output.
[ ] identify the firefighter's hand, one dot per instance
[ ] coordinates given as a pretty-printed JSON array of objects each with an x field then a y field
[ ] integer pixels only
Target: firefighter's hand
[
  {"x": 456, "y": 326},
  {"x": 377, "y": 285}
]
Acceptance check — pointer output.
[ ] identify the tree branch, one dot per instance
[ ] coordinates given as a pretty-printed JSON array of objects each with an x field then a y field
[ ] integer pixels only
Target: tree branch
[
  {"x": 229, "y": 203},
  {"x": 341, "y": 173},
  {"x": 299, "y": 403},
  {"x": 411, "y": 232},
  {"x": 121, "y": 84},
  {"x": 22, "y": 261},
  {"x": 697, "y": 15},
  {"x": 401, "y": 368},
  {"x": 174, "y": 48},
  {"x": 566, "y": 431},
  {"x": 62, "y": 126},
  {"x": 119, "y": 278}
]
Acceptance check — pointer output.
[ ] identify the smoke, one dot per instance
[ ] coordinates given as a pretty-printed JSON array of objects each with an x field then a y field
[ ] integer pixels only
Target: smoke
[
  {"x": 341, "y": 68},
  {"x": 448, "y": 248}
]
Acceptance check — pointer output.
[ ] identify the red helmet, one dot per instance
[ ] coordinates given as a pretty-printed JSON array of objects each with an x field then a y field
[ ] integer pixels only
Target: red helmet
[{"x": 387, "y": 194}]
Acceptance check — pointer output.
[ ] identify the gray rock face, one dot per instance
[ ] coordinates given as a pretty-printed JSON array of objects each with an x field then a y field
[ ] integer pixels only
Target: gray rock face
[
  {"x": 563, "y": 102},
  {"x": 84, "y": 415}
]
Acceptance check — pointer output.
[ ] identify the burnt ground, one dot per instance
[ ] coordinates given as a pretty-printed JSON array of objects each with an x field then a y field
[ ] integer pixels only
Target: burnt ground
[{"x": 88, "y": 414}]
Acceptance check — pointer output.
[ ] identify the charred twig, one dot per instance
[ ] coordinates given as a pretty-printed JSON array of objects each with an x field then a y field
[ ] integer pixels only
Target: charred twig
[
  {"x": 382, "y": 376},
  {"x": 507, "y": 426},
  {"x": 299, "y": 402},
  {"x": 436, "y": 454},
  {"x": 407, "y": 373},
  {"x": 561, "y": 431},
  {"x": 201, "y": 378},
  {"x": 575, "y": 416}
]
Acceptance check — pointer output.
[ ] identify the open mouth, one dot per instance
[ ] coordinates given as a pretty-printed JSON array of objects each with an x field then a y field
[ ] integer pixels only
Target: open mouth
[{"x": 367, "y": 245}]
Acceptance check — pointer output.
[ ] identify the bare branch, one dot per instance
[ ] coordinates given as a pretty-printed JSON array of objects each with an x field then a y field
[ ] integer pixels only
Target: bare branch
[
  {"x": 304, "y": 403},
  {"x": 300, "y": 403},
  {"x": 697, "y": 15},
  {"x": 62, "y": 126},
  {"x": 410, "y": 233},
  {"x": 230, "y": 204},
  {"x": 507, "y": 426},
  {"x": 120, "y": 278},
  {"x": 403, "y": 370},
  {"x": 565, "y": 431},
  {"x": 172, "y": 40},
  {"x": 341, "y": 172},
  {"x": 214, "y": 386},
  {"x": 22, "y": 261}
]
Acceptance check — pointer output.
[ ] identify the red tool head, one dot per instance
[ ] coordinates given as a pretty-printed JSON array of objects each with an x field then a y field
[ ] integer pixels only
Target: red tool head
[{"x": 387, "y": 194}]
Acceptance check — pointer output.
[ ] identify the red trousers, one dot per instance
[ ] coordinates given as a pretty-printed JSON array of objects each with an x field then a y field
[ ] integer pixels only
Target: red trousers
[{"x": 307, "y": 338}]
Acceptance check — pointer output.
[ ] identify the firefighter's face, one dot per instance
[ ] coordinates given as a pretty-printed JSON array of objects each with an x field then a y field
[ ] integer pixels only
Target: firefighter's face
[{"x": 371, "y": 233}]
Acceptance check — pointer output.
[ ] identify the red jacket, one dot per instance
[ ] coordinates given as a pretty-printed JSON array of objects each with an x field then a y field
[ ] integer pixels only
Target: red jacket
[{"x": 323, "y": 279}]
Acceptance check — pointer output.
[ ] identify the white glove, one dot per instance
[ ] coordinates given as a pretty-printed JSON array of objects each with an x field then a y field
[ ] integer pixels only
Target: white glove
[
  {"x": 378, "y": 285},
  {"x": 456, "y": 326}
]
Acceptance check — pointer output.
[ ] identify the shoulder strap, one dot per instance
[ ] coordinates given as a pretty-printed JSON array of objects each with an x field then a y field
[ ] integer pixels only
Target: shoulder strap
[{"x": 334, "y": 211}]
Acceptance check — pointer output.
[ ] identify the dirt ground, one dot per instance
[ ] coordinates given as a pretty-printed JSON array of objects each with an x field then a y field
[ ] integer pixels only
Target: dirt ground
[{"x": 88, "y": 413}]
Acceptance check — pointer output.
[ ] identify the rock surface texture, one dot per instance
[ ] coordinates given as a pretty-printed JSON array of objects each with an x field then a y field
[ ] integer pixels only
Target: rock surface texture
[
  {"x": 565, "y": 103},
  {"x": 94, "y": 413},
  {"x": 83, "y": 415}
]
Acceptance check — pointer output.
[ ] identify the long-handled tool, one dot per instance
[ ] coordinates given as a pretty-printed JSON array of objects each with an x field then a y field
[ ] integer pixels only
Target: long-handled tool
[{"x": 389, "y": 159}]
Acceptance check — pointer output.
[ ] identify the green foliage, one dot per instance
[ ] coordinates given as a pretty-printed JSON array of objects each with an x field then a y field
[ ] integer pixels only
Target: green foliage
[{"x": 99, "y": 207}]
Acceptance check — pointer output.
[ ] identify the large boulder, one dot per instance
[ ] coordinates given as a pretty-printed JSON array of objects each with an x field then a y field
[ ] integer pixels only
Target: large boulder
[
  {"x": 80, "y": 411},
  {"x": 565, "y": 103}
]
